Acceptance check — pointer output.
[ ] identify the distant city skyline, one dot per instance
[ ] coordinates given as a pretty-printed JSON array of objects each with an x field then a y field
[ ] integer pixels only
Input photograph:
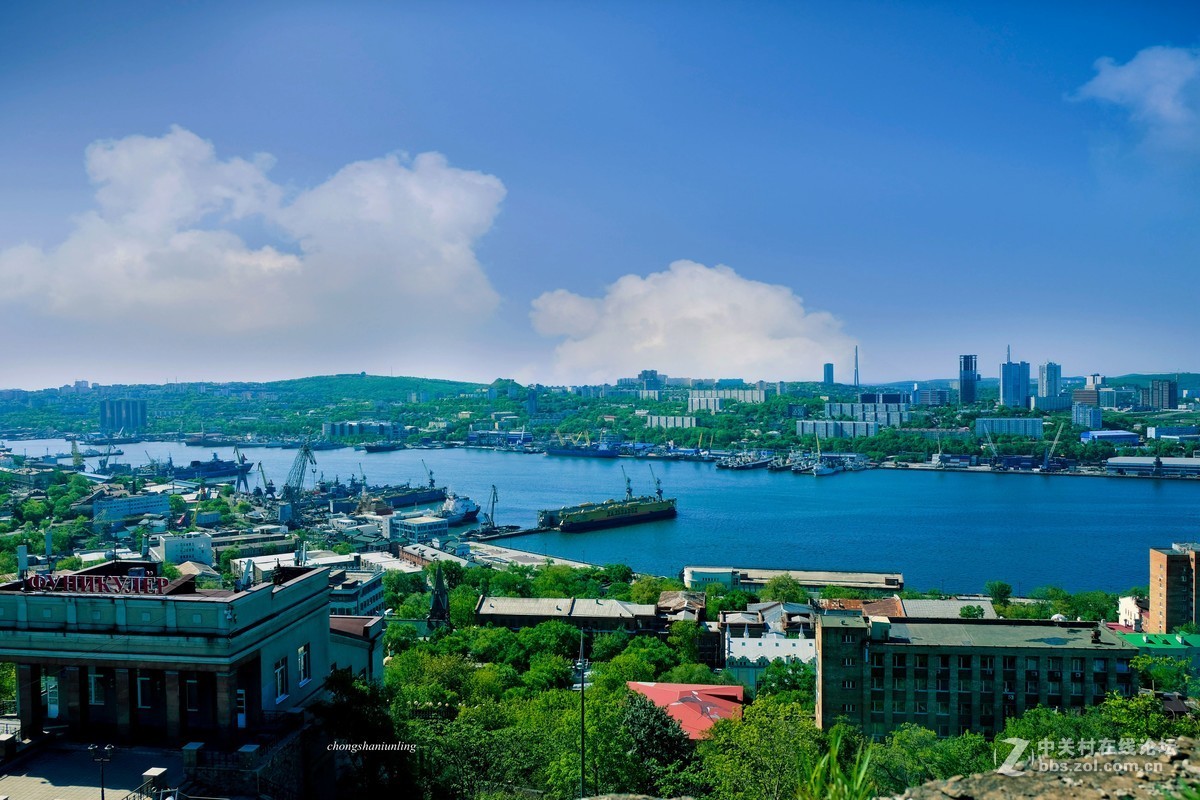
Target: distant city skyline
[{"x": 217, "y": 192}]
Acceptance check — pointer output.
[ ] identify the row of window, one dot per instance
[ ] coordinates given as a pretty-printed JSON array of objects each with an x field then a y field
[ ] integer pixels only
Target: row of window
[
  {"x": 942, "y": 707},
  {"x": 99, "y": 682},
  {"x": 988, "y": 663}
]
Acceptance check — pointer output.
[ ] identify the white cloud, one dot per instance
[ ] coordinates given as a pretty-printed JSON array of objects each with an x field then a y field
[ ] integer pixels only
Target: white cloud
[
  {"x": 1159, "y": 88},
  {"x": 689, "y": 320},
  {"x": 384, "y": 250}
]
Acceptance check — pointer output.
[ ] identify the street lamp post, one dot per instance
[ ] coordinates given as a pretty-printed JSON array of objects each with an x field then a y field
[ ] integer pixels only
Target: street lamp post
[
  {"x": 101, "y": 755},
  {"x": 582, "y": 721}
]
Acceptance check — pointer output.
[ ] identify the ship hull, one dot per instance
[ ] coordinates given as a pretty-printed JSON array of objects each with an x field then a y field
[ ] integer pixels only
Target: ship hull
[
  {"x": 581, "y": 452},
  {"x": 597, "y": 523},
  {"x": 415, "y": 497}
]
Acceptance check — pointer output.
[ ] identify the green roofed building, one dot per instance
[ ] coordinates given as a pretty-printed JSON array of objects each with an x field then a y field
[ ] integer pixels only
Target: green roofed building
[{"x": 1185, "y": 646}]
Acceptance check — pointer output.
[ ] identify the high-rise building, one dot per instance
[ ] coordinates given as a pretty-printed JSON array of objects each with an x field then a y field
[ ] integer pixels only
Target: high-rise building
[
  {"x": 1086, "y": 416},
  {"x": 1014, "y": 384},
  {"x": 1173, "y": 598},
  {"x": 828, "y": 375},
  {"x": 968, "y": 377},
  {"x": 1049, "y": 379},
  {"x": 1161, "y": 394}
]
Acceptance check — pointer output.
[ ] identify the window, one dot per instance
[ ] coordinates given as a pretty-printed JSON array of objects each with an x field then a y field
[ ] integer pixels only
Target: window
[
  {"x": 1010, "y": 662},
  {"x": 964, "y": 662},
  {"x": 1031, "y": 687},
  {"x": 281, "y": 679},
  {"x": 897, "y": 660},
  {"x": 877, "y": 683},
  {"x": 192, "y": 694},
  {"x": 1100, "y": 665},
  {"x": 1076, "y": 665},
  {"x": 921, "y": 684},
  {"x": 922, "y": 661},
  {"x": 943, "y": 707},
  {"x": 848, "y": 638},
  {"x": 304, "y": 663},
  {"x": 1076, "y": 688},
  {"x": 876, "y": 659},
  {"x": 1122, "y": 665},
  {"x": 876, "y": 706},
  {"x": 943, "y": 662},
  {"x": 1031, "y": 664},
  {"x": 1056, "y": 663},
  {"x": 848, "y": 707},
  {"x": 144, "y": 691},
  {"x": 847, "y": 684},
  {"x": 96, "y": 693},
  {"x": 921, "y": 707},
  {"x": 987, "y": 662},
  {"x": 848, "y": 661}
]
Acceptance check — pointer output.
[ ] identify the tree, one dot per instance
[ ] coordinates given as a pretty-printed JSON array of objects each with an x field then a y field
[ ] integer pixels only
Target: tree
[
  {"x": 356, "y": 711},
  {"x": 1162, "y": 673},
  {"x": 177, "y": 504},
  {"x": 684, "y": 636},
  {"x": 659, "y": 744},
  {"x": 607, "y": 645},
  {"x": 552, "y": 637},
  {"x": 971, "y": 612},
  {"x": 646, "y": 589},
  {"x": 768, "y": 754},
  {"x": 999, "y": 591},
  {"x": 784, "y": 589},
  {"x": 227, "y": 557},
  {"x": 793, "y": 681}
]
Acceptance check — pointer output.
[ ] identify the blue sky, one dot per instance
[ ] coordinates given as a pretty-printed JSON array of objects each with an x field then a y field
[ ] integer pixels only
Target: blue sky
[{"x": 918, "y": 179}]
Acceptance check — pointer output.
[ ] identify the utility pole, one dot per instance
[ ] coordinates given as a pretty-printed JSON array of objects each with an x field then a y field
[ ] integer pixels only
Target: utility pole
[{"x": 582, "y": 725}]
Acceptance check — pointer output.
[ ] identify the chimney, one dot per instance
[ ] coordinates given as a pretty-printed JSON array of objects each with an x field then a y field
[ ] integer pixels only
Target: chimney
[{"x": 1137, "y": 624}]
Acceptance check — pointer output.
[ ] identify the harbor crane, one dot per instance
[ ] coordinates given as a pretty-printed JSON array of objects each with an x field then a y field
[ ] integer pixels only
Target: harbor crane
[
  {"x": 995, "y": 455},
  {"x": 657, "y": 482},
  {"x": 242, "y": 484},
  {"x": 295, "y": 480},
  {"x": 429, "y": 472},
  {"x": 1050, "y": 453},
  {"x": 76, "y": 456},
  {"x": 268, "y": 488},
  {"x": 628, "y": 485}
]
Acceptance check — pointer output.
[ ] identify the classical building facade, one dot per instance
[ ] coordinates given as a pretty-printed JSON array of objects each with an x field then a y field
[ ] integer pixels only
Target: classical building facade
[{"x": 116, "y": 652}]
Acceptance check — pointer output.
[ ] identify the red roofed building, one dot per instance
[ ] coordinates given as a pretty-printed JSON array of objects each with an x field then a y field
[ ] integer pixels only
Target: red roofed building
[{"x": 695, "y": 706}]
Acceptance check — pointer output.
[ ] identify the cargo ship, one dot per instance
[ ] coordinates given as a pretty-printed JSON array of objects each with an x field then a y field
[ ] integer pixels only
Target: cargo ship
[
  {"x": 610, "y": 513},
  {"x": 383, "y": 447}
]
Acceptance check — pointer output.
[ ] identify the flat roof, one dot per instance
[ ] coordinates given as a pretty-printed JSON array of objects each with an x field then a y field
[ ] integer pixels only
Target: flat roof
[
  {"x": 1163, "y": 641},
  {"x": 992, "y": 633},
  {"x": 526, "y": 606},
  {"x": 1167, "y": 461},
  {"x": 859, "y": 579}
]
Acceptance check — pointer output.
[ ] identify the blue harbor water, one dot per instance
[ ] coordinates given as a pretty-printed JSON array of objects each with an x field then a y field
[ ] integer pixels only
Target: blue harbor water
[{"x": 947, "y": 530}]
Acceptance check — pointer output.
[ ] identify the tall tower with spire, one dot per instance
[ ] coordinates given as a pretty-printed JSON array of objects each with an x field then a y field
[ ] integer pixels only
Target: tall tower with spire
[{"x": 439, "y": 607}]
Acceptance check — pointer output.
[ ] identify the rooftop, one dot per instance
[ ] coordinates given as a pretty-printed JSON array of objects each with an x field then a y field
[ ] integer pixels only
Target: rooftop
[
  {"x": 1004, "y": 633},
  {"x": 694, "y": 706}
]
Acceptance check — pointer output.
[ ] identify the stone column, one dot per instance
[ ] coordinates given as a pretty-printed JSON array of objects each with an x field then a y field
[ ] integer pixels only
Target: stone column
[
  {"x": 174, "y": 718},
  {"x": 227, "y": 703},
  {"x": 29, "y": 699},
  {"x": 73, "y": 695},
  {"x": 124, "y": 703}
]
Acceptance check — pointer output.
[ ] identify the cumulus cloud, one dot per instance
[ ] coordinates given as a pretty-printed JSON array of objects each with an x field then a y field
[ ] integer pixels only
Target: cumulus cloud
[
  {"x": 689, "y": 320},
  {"x": 1159, "y": 88},
  {"x": 384, "y": 248}
]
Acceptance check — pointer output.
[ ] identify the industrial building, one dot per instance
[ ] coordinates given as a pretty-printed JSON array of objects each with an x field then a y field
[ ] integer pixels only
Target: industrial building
[
  {"x": 1115, "y": 438},
  {"x": 752, "y": 579},
  {"x": 1165, "y": 467}
]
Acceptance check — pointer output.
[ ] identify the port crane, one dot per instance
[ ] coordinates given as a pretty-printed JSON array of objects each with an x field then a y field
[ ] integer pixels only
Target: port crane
[
  {"x": 628, "y": 485},
  {"x": 995, "y": 456},
  {"x": 242, "y": 484},
  {"x": 268, "y": 488},
  {"x": 429, "y": 472},
  {"x": 295, "y": 480},
  {"x": 76, "y": 456},
  {"x": 1050, "y": 453},
  {"x": 657, "y": 482}
]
